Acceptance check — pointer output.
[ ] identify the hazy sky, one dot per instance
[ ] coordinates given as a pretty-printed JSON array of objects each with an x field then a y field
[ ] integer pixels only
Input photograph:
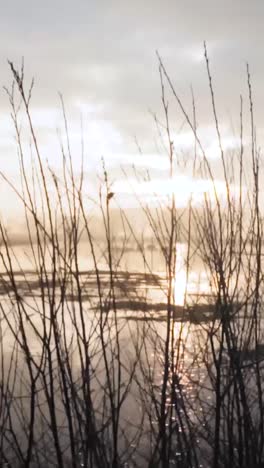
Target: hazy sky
[{"x": 101, "y": 56}]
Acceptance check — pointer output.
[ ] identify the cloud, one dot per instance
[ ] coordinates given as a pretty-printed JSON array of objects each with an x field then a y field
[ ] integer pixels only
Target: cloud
[{"x": 101, "y": 56}]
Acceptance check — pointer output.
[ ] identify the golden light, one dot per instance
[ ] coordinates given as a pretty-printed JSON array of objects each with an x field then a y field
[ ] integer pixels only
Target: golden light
[
  {"x": 182, "y": 187},
  {"x": 180, "y": 280},
  {"x": 180, "y": 287},
  {"x": 186, "y": 285}
]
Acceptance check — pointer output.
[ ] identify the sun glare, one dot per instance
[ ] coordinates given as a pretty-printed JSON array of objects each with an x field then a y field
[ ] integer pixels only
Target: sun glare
[
  {"x": 184, "y": 188},
  {"x": 193, "y": 283},
  {"x": 180, "y": 287},
  {"x": 180, "y": 280}
]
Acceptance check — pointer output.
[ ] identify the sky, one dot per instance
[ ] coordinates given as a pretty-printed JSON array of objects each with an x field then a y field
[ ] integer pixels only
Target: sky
[{"x": 101, "y": 55}]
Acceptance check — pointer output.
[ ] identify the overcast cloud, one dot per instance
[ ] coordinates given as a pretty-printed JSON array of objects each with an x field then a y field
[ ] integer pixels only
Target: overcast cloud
[{"x": 101, "y": 55}]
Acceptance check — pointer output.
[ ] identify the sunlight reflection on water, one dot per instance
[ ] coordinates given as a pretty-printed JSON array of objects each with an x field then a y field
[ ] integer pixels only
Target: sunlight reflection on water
[{"x": 132, "y": 288}]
